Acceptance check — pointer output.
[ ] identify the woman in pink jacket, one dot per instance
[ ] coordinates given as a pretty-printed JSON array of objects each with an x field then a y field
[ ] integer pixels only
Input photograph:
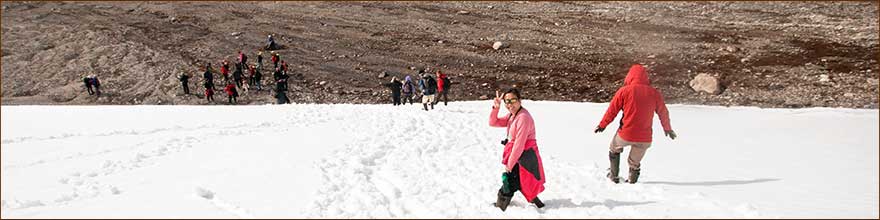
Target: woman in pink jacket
[{"x": 524, "y": 170}]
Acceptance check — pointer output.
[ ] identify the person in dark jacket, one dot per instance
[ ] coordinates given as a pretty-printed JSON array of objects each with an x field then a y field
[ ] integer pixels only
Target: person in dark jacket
[
  {"x": 395, "y": 87},
  {"x": 208, "y": 76},
  {"x": 281, "y": 91},
  {"x": 184, "y": 82},
  {"x": 257, "y": 78},
  {"x": 88, "y": 84},
  {"x": 259, "y": 59},
  {"x": 97, "y": 84},
  {"x": 237, "y": 75},
  {"x": 639, "y": 101}
]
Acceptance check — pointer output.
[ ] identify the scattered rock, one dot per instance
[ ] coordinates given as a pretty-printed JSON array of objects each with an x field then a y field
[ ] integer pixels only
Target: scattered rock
[
  {"x": 706, "y": 83},
  {"x": 322, "y": 83},
  {"x": 485, "y": 84},
  {"x": 500, "y": 45},
  {"x": 459, "y": 12},
  {"x": 824, "y": 78},
  {"x": 383, "y": 74},
  {"x": 849, "y": 94},
  {"x": 235, "y": 33},
  {"x": 484, "y": 97}
]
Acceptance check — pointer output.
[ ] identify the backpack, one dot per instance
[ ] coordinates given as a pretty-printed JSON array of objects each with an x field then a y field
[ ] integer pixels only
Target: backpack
[
  {"x": 432, "y": 85},
  {"x": 407, "y": 87}
]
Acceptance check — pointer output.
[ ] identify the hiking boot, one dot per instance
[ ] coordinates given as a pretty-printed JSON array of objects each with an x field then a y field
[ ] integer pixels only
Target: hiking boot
[
  {"x": 633, "y": 175},
  {"x": 503, "y": 201},
  {"x": 426, "y": 106},
  {"x": 538, "y": 202},
  {"x": 615, "y": 167}
]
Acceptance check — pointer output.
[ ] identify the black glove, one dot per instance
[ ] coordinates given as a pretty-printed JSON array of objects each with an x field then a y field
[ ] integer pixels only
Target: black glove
[
  {"x": 598, "y": 129},
  {"x": 671, "y": 134}
]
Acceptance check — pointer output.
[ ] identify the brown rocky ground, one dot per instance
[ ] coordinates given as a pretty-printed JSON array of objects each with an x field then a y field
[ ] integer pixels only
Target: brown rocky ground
[{"x": 768, "y": 54}]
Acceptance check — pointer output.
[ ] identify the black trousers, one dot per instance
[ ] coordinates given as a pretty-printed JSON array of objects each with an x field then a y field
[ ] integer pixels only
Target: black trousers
[
  {"x": 185, "y": 88},
  {"x": 511, "y": 184},
  {"x": 395, "y": 98}
]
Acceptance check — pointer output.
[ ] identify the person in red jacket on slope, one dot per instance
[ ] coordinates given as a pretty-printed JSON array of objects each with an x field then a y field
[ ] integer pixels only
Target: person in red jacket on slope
[{"x": 638, "y": 101}]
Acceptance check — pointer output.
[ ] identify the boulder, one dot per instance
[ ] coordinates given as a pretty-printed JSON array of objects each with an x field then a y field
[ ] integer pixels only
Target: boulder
[
  {"x": 706, "y": 83},
  {"x": 500, "y": 45}
]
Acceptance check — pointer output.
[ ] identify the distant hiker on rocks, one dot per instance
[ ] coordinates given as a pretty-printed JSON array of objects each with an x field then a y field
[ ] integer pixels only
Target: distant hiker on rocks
[
  {"x": 524, "y": 169},
  {"x": 95, "y": 83},
  {"x": 208, "y": 76},
  {"x": 231, "y": 92},
  {"x": 408, "y": 89},
  {"x": 184, "y": 82},
  {"x": 429, "y": 87},
  {"x": 258, "y": 79},
  {"x": 259, "y": 59},
  {"x": 87, "y": 82},
  {"x": 442, "y": 87},
  {"x": 281, "y": 91},
  {"x": 237, "y": 75},
  {"x": 242, "y": 58},
  {"x": 224, "y": 70},
  {"x": 395, "y": 87},
  {"x": 270, "y": 44},
  {"x": 638, "y": 101},
  {"x": 275, "y": 58}
]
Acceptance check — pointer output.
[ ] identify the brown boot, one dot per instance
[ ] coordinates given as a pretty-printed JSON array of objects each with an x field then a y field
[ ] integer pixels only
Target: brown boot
[
  {"x": 615, "y": 167},
  {"x": 503, "y": 201},
  {"x": 633, "y": 175}
]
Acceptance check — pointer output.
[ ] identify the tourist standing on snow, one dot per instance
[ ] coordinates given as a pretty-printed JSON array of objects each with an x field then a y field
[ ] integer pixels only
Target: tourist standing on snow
[
  {"x": 408, "y": 88},
  {"x": 429, "y": 87},
  {"x": 523, "y": 169},
  {"x": 638, "y": 101},
  {"x": 442, "y": 87},
  {"x": 395, "y": 87}
]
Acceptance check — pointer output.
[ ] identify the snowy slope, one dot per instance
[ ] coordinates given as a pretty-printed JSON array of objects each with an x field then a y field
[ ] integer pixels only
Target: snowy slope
[{"x": 290, "y": 161}]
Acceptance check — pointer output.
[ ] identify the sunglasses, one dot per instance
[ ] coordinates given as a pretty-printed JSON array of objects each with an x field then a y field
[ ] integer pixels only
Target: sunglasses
[{"x": 510, "y": 101}]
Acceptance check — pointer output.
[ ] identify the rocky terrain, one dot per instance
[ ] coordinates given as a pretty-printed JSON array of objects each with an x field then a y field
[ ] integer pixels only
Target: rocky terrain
[{"x": 766, "y": 54}]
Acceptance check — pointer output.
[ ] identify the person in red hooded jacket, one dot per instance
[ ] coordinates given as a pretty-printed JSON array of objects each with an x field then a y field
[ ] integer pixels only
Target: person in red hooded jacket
[
  {"x": 231, "y": 92},
  {"x": 638, "y": 101}
]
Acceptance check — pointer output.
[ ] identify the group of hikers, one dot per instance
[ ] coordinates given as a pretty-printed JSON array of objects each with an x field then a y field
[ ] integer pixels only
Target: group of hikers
[
  {"x": 93, "y": 86},
  {"x": 523, "y": 167},
  {"x": 431, "y": 89},
  {"x": 238, "y": 80}
]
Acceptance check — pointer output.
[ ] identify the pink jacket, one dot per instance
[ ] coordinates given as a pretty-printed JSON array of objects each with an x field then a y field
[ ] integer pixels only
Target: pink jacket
[
  {"x": 521, "y": 131},
  {"x": 521, "y": 138}
]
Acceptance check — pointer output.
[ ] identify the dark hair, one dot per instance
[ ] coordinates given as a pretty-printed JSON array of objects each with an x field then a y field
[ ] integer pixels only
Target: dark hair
[{"x": 515, "y": 91}]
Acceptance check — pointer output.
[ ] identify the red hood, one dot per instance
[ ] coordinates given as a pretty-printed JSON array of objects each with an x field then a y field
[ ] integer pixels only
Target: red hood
[{"x": 636, "y": 75}]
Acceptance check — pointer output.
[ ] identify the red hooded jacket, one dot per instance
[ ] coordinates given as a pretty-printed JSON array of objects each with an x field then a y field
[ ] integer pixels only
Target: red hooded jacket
[
  {"x": 638, "y": 101},
  {"x": 440, "y": 81}
]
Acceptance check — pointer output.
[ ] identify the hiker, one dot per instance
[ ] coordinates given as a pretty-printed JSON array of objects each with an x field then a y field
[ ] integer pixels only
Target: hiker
[
  {"x": 208, "y": 76},
  {"x": 638, "y": 101},
  {"x": 184, "y": 81},
  {"x": 237, "y": 75},
  {"x": 408, "y": 88},
  {"x": 395, "y": 87},
  {"x": 524, "y": 169},
  {"x": 259, "y": 59},
  {"x": 270, "y": 44},
  {"x": 257, "y": 78},
  {"x": 242, "y": 58},
  {"x": 224, "y": 70},
  {"x": 281, "y": 91},
  {"x": 88, "y": 83},
  {"x": 442, "y": 87},
  {"x": 275, "y": 58},
  {"x": 231, "y": 92},
  {"x": 429, "y": 87},
  {"x": 95, "y": 83}
]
